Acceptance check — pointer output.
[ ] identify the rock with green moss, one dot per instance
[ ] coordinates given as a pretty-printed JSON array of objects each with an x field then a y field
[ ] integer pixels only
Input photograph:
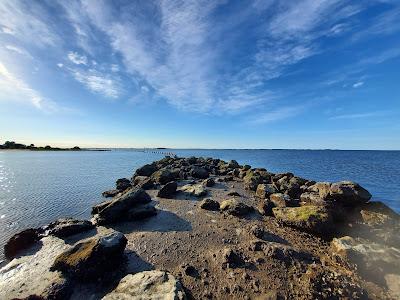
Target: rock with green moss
[
  {"x": 196, "y": 190},
  {"x": 90, "y": 259},
  {"x": 163, "y": 176},
  {"x": 315, "y": 219}
]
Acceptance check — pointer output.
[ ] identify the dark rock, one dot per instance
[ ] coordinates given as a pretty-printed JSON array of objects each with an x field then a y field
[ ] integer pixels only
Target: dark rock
[
  {"x": 233, "y": 164},
  {"x": 143, "y": 182},
  {"x": 163, "y": 176},
  {"x": 20, "y": 241},
  {"x": 209, "y": 182},
  {"x": 232, "y": 259},
  {"x": 209, "y": 204},
  {"x": 111, "y": 193},
  {"x": 233, "y": 194},
  {"x": 199, "y": 172},
  {"x": 117, "y": 209},
  {"x": 59, "y": 289},
  {"x": 246, "y": 168},
  {"x": 280, "y": 200},
  {"x": 123, "y": 184},
  {"x": 191, "y": 271},
  {"x": 146, "y": 170},
  {"x": 235, "y": 208},
  {"x": 168, "y": 190},
  {"x": 141, "y": 212},
  {"x": 349, "y": 193},
  {"x": 265, "y": 207},
  {"x": 99, "y": 207},
  {"x": 90, "y": 259},
  {"x": 66, "y": 227}
]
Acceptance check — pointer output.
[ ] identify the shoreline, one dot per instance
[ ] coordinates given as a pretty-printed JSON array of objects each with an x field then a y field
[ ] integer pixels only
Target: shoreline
[{"x": 220, "y": 230}]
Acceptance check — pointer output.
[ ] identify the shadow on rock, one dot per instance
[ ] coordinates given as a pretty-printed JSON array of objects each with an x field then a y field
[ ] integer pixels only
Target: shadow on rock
[
  {"x": 71, "y": 240},
  {"x": 164, "y": 221}
]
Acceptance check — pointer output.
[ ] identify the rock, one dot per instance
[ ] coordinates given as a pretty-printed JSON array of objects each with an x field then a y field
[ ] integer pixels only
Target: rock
[
  {"x": 163, "y": 176},
  {"x": 209, "y": 182},
  {"x": 235, "y": 208},
  {"x": 373, "y": 260},
  {"x": 393, "y": 283},
  {"x": 315, "y": 219},
  {"x": 233, "y": 194},
  {"x": 252, "y": 180},
  {"x": 118, "y": 208},
  {"x": 143, "y": 182},
  {"x": 141, "y": 212},
  {"x": 60, "y": 288},
  {"x": 209, "y": 204},
  {"x": 90, "y": 259},
  {"x": 20, "y": 241},
  {"x": 196, "y": 190},
  {"x": 246, "y": 168},
  {"x": 322, "y": 189},
  {"x": 123, "y": 184},
  {"x": 66, "y": 227},
  {"x": 349, "y": 193},
  {"x": 233, "y": 164},
  {"x": 111, "y": 193},
  {"x": 199, "y": 172},
  {"x": 168, "y": 190},
  {"x": 312, "y": 198},
  {"x": 99, "y": 207},
  {"x": 232, "y": 259},
  {"x": 146, "y": 170},
  {"x": 265, "y": 207},
  {"x": 285, "y": 253},
  {"x": 375, "y": 219},
  {"x": 280, "y": 200},
  {"x": 265, "y": 190},
  {"x": 148, "y": 285}
]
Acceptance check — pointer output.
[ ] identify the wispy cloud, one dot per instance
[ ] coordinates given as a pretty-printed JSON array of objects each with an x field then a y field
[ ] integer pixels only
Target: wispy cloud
[
  {"x": 99, "y": 83},
  {"x": 77, "y": 59},
  {"x": 360, "y": 115},
  {"x": 15, "y": 89},
  {"x": 18, "y": 50},
  {"x": 278, "y": 114},
  {"x": 358, "y": 84}
]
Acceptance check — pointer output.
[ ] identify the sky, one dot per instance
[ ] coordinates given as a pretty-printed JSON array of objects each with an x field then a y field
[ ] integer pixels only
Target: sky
[{"x": 306, "y": 74}]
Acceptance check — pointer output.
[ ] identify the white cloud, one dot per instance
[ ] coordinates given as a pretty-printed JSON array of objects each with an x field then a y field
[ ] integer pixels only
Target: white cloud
[
  {"x": 77, "y": 59},
  {"x": 360, "y": 115},
  {"x": 15, "y": 89},
  {"x": 60, "y": 65},
  {"x": 358, "y": 84},
  {"x": 18, "y": 50},
  {"x": 27, "y": 22},
  {"x": 99, "y": 83},
  {"x": 278, "y": 114},
  {"x": 114, "y": 68}
]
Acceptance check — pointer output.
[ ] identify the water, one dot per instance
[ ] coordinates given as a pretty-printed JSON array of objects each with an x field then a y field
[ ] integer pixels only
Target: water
[{"x": 39, "y": 187}]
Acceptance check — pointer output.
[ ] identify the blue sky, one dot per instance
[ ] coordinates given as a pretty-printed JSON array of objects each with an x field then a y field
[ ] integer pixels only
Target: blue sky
[{"x": 210, "y": 74}]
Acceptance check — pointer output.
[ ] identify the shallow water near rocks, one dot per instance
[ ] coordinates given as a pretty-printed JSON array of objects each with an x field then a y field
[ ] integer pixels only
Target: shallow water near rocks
[{"x": 39, "y": 187}]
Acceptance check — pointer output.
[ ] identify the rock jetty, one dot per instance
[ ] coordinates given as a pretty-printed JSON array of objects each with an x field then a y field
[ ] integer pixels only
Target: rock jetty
[{"x": 204, "y": 228}]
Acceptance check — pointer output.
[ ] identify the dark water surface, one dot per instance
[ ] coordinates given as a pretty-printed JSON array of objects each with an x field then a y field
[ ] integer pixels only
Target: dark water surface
[{"x": 39, "y": 187}]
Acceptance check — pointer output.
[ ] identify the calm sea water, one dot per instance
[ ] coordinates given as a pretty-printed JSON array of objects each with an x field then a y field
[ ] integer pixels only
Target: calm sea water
[{"x": 39, "y": 187}]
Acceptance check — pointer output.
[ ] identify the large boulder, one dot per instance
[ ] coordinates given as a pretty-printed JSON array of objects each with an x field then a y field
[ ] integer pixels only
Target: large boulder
[
  {"x": 92, "y": 258},
  {"x": 118, "y": 208},
  {"x": 20, "y": 241},
  {"x": 235, "y": 208},
  {"x": 322, "y": 189},
  {"x": 372, "y": 259},
  {"x": 110, "y": 193},
  {"x": 252, "y": 180},
  {"x": 66, "y": 227},
  {"x": 163, "y": 176},
  {"x": 349, "y": 193},
  {"x": 146, "y": 170},
  {"x": 209, "y": 182},
  {"x": 168, "y": 190},
  {"x": 199, "y": 172},
  {"x": 316, "y": 219},
  {"x": 148, "y": 285}
]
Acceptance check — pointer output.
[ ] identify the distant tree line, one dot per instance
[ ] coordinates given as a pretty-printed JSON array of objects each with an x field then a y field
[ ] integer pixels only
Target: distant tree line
[{"x": 14, "y": 145}]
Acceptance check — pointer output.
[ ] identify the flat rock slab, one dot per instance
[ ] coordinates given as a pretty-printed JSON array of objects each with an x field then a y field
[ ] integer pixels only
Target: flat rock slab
[{"x": 151, "y": 285}]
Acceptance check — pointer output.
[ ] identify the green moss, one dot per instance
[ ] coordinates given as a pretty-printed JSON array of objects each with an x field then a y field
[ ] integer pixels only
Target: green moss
[{"x": 299, "y": 214}]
